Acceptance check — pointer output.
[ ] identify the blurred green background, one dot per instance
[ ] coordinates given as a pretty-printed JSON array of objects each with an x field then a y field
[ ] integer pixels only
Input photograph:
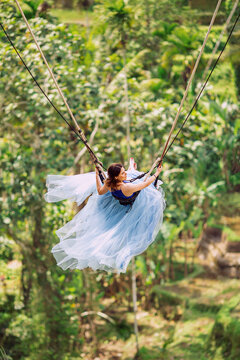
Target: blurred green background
[{"x": 188, "y": 279}]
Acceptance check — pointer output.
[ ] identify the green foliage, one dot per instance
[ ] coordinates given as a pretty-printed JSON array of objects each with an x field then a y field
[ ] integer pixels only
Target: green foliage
[
  {"x": 6, "y": 248},
  {"x": 33, "y": 5},
  {"x": 201, "y": 171},
  {"x": 225, "y": 332},
  {"x": 166, "y": 297},
  {"x": 118, "y": 17}
]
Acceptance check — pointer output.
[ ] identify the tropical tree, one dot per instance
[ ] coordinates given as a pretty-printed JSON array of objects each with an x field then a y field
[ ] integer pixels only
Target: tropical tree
[
  {"x": 33, "y": 144},
  {"x": 119, "y": 17}
]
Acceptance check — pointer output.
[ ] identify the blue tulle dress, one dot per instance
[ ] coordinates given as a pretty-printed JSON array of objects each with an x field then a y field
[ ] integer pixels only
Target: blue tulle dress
[{"x": 104, "y": 235}]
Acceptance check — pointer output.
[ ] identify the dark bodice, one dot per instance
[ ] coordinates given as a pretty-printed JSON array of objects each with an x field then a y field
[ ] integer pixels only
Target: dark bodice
[
  {"x": 119, "y": 194},
  {"x": 124, "y": 200}
]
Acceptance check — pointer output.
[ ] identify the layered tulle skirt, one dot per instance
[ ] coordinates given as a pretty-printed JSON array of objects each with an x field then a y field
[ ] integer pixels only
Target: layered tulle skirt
[{"x": 104, "y": 235}]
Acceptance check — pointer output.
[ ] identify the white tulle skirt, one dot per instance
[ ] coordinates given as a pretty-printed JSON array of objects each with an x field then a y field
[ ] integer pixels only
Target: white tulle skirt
[{"x": 104, "y": 235}]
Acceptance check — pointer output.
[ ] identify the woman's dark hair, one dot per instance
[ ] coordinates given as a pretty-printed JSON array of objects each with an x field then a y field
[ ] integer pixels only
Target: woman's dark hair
[{"x": 113, "y": 171}]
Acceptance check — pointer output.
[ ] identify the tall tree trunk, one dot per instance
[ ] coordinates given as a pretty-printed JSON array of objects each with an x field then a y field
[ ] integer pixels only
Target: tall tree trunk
[
  {"x": 128, "y": 120},
  {"x": 236, "y": 66},
  {"x": 148, "y": 19},
  {"x": 235, "y": 38},
  {"x": 134, "y": 286},
  {"x": 91, "y": 307},
  {"x": 185, "y": 256},
  {"x": 171, "y": 274},
  {"x": 26, "y": 284},
  {"x": 48, "y": 297}
]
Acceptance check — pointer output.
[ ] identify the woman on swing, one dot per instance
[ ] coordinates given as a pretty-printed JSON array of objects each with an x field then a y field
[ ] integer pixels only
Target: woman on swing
[
  {"x": 104, "y": 234},
  {"x": 117, "y": 182}
]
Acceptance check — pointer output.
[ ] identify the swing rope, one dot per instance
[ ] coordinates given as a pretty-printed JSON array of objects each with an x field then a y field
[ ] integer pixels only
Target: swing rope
[
  {"x": 83, "y": 138},
  {"x": 187, "y": 88},
  {"x": 78, "y": 131},
  {"x": 204, "y": 85},
  {"x": 159, "y": 160},
  {"x": 37, "y": 83}
]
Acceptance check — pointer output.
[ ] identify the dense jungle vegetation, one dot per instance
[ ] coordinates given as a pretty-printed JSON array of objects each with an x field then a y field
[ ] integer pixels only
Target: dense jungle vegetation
[{"x": 187, "y": 308}]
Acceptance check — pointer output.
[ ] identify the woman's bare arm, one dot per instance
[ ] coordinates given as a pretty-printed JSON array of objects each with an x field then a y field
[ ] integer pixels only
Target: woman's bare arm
[
  {"x": 129, "y": 189},
  {"x": 101, "y": 189}
]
